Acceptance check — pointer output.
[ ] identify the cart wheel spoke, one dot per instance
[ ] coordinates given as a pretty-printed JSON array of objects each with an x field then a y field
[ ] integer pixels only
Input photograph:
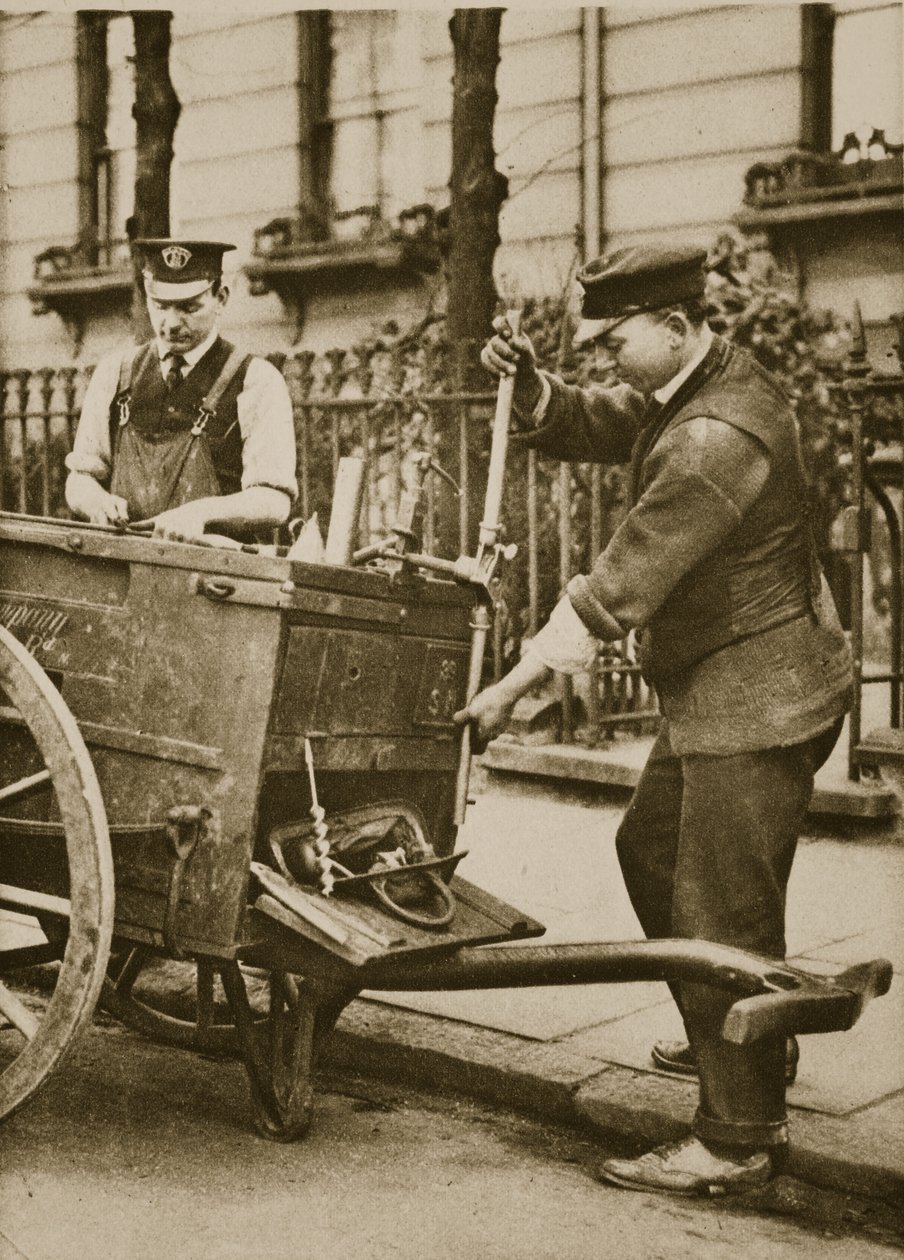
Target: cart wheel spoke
[
  {"x": 15, "y": 1013},
  {"x": 54, "y": 890},
  {"x": 20, "y": 788},
  {"x": 206, "y": 1004},
  {"x": 128, "y": 973}
]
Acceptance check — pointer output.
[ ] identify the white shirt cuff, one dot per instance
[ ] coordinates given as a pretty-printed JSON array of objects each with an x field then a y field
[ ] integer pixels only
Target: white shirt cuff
[{"x": 564, "y": 643}]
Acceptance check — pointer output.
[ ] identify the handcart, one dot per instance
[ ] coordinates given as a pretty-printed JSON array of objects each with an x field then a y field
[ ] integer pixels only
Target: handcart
[{"x": 247, "y": 763}]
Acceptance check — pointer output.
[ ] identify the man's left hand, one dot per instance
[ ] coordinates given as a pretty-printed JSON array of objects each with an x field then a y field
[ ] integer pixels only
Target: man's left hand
[{"x": 183, "y": 524}]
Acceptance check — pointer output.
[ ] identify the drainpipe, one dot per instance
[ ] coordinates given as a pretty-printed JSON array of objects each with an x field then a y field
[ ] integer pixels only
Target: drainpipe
[{"x": 592, "y": 26}]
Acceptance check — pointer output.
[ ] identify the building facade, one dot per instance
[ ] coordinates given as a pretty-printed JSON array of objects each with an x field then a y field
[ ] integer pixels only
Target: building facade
[{"x": 319, "y": 141}]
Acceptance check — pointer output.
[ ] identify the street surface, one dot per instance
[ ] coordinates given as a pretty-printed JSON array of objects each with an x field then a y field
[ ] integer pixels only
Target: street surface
[{"x": 139, "y": 1152}]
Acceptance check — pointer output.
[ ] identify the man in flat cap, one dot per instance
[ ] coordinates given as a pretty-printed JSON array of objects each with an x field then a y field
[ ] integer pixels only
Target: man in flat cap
[
  {"x": 186, "y": 431},
  {"x": 715, "y": 566}
]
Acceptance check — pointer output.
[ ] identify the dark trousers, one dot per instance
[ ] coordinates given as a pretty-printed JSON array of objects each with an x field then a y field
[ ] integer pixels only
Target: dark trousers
[{"x": 706, "y": 847}]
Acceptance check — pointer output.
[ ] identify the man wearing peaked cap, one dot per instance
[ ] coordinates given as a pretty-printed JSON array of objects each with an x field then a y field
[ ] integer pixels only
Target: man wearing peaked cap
[
  {"x": 186, "y": 432},
  {"x": 714, "y": 566}
]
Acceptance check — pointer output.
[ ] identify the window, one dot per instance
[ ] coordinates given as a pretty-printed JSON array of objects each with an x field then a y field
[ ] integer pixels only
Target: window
[
  {"x": 107, "y": 133},
  {"x": 866, "y": 74},
  {"x": 849, "y": 158},
  {"x": 377, "y": 141}
]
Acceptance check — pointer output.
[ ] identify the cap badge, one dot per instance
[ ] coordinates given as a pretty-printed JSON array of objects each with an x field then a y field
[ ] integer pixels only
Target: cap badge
[{"x": 176, "y": 257}]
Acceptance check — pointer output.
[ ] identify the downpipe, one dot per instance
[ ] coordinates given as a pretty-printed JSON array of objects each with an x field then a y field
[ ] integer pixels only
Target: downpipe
[{"x": 774, "y": 999}]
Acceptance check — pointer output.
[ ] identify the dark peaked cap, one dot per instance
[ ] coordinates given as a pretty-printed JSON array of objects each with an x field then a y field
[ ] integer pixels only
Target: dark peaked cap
[
  {"x": 635, "y": 279},
  {"x": 189, "y": 265},
  {"x": 641, "y": 278}
]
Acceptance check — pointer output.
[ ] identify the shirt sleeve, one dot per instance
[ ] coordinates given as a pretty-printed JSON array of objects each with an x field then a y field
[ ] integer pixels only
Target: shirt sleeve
[
  {"x": 564, "y": 643},
  {"x": 90, "y": 452},
  {"x": 268, "y": 430},
  {"x": 701, "y": 479}
]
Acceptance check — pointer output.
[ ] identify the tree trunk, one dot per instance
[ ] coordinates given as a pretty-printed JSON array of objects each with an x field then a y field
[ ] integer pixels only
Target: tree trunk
[
  {"x": 477, "y": 189},
  {"x": 156, "y": 112}
]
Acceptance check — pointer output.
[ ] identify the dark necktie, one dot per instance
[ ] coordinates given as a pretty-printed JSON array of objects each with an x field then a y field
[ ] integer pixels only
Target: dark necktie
[{"x": 174, "y": 372}]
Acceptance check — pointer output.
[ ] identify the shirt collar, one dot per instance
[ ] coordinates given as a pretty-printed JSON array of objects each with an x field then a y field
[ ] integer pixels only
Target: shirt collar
[
  {"x": 671, "y": 387},
  {"x": 191, "y": 357}
]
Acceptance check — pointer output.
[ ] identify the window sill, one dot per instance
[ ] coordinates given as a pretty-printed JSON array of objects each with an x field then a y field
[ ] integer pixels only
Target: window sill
[
  {"x": 809, "y": 186},
  {"x": 76, "y": 290},
  {"x": 292, "y": 262},
  {"x": 793, "y": 211},
  {"x": 79, "y": 286}
]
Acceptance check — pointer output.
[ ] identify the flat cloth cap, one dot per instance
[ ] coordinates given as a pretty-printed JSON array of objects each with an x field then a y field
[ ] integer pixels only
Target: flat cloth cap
[
  {"x": 175, "y": 270},
  {"x": 635, "y": 279}
]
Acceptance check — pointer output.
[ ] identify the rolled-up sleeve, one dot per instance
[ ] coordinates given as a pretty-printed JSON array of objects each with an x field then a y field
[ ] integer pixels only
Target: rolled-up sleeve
[
  {"x": 564, "y": 643},
  {"x": 700, "y": 480},
  {"x": 90, "y": 452},
  {"x": 268, "y": 430}
]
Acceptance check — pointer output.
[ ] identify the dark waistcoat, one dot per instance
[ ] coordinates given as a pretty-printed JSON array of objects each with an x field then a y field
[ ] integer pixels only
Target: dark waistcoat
[
  {"x": 766, "y": 572},
  {"x": 154, "y": 410}
]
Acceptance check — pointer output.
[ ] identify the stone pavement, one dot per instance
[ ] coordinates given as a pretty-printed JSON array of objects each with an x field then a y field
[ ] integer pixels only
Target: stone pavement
[{"x": 581, "y": 1053}]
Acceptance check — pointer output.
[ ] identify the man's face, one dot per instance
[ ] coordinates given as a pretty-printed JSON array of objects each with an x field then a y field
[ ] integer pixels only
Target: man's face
[
  {"x": 182, "y": 324},
  {"x": 644, "y": 351}
]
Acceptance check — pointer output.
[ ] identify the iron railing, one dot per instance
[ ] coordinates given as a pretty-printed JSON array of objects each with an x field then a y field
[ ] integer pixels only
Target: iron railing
[
  {"x": 348, "y": 403},
  {"x": 873, "y": 402}
]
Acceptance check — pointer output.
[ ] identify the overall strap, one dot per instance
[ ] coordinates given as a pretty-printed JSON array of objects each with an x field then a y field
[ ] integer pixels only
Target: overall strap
[
  {"x": 126, "y": 368},
  {"x": 207, "y": 408},
  {"x": 120, "y": 406}
]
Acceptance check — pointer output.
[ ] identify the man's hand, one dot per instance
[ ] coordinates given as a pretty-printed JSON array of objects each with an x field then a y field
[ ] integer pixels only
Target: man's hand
[
  {"x": 489, "y": 712},
  {"x": 506, "y": 354},
  {"x": 88, "y": 499},
  {"x": 491, "y": 709},
  {"x": 186, "y": 523}
]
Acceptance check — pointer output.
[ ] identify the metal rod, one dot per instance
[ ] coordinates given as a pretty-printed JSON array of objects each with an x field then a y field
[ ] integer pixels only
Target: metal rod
[
  {"x": 480, "y": 625},
  {"x": 894, "y": 539},
  {"x": 564, "y": 514},
  {"x": 490, "y": 525},
  {"x": 533, "y": 550}
]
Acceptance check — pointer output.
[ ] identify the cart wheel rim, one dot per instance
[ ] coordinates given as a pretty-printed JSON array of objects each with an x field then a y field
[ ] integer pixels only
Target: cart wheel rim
[{"x": 81, "y": 808}]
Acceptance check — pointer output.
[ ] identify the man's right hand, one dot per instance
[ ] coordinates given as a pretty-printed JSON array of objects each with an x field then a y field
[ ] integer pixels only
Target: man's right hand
[
  {"x": 488, "y": 712},
  {"x": 88, "y": 499},
  {"x": 508, "y": 354}
]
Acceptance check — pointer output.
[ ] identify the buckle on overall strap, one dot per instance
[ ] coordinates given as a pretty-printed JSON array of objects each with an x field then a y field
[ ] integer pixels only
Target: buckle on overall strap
[
  {"x": 123, "y": 395},
  {"x": 207, "y": 408}
]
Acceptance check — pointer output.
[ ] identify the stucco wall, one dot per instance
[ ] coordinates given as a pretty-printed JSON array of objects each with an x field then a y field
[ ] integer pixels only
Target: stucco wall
[{"x": 686, "y": 99}]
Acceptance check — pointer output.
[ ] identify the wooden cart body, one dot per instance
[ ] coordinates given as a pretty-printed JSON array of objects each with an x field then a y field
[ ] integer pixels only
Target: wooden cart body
[
  {"x": 167, "y": 696},
  {"x": 196, "y": 674}
]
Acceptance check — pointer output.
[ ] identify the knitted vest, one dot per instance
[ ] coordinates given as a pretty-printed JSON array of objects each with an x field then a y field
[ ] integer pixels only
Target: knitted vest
[
  {"x": 766, "y": 572},
  {"x": 152, "y": 409}
]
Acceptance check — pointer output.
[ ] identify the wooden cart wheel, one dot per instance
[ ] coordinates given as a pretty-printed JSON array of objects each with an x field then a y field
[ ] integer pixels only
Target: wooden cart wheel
[
  {"x": 34, "y": 1036},
  {"x": 280, "y": 1053},
  {"x": 140, "y": 983}
]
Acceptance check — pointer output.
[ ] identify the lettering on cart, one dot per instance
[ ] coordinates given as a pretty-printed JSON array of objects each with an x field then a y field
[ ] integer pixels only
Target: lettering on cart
[{"x": 37, "y": 628}]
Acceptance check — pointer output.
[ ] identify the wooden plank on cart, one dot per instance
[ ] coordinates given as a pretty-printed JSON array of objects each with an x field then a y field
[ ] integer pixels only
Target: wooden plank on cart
[{"x": 361, "y": 930}]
